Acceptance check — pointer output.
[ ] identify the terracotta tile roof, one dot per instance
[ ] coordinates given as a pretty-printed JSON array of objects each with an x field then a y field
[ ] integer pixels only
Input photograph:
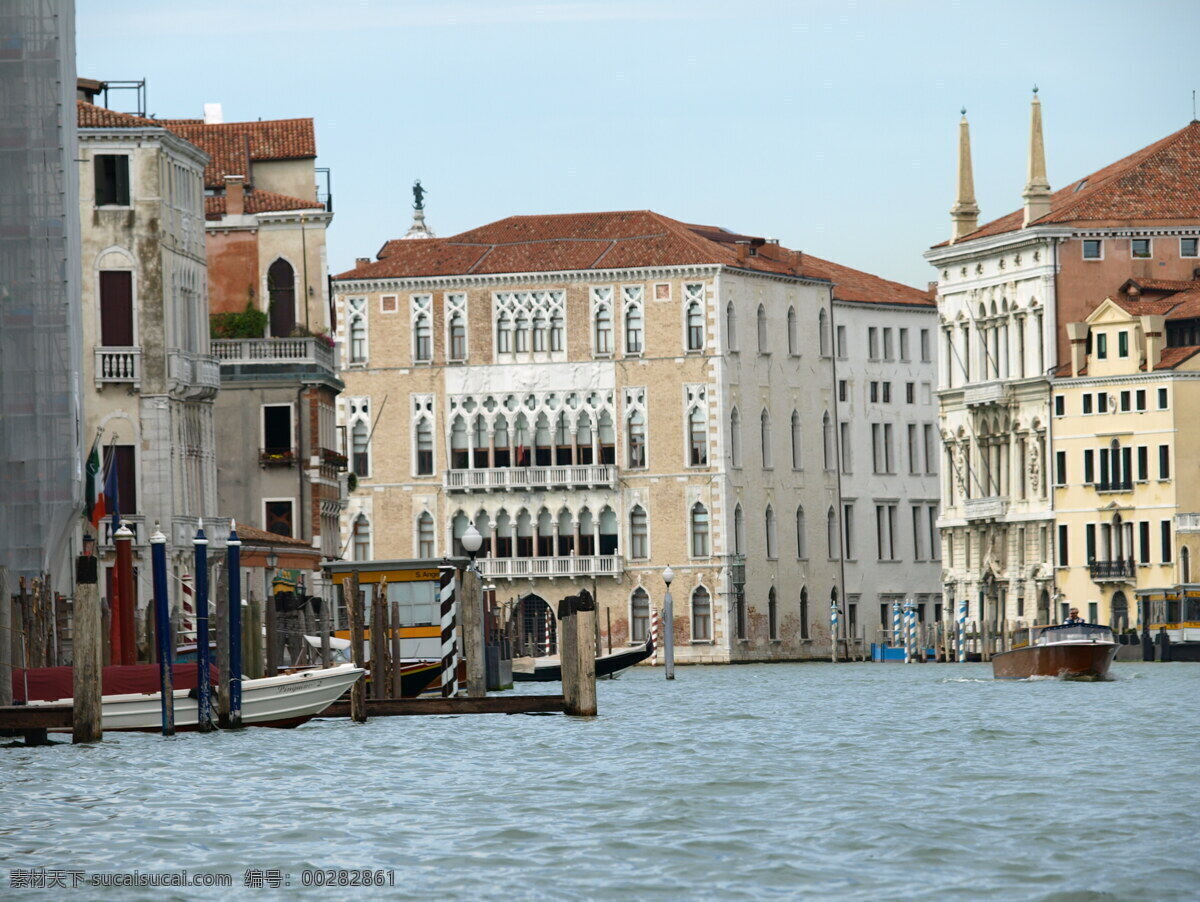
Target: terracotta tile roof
[
  {"x": 259, "y": 201},
  {"x": 234, "y": 145},
  {"x": 619, "y": 240},
  {"x": 255, "y": 536},
  {"x": 1158, "y": 183},
  {"x": 1172, "y": 357},
  {"x": 1179, "y": 303},
  {"x": 1158, "y": 284},
  {"x": 88, "y": 115}
]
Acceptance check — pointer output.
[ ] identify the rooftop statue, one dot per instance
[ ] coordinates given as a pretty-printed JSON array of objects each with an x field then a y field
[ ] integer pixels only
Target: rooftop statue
[{"x": 418, "y": 195}]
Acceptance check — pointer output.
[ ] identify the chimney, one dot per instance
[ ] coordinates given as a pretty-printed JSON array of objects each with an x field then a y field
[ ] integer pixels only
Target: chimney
[
  {"x": 86, "y": 89},
  {"x": 1154, "y": 328},
  {"x": 1037, "y": 188},
  {"x": 965, "y": 212},
  {"x": 361, "y": 261},
  {"x": 235, "y": 195},
  {"x": 1077, "y": 333},
  {"x": 742, "y": 248},
  {"x": 213, "y": 114}
]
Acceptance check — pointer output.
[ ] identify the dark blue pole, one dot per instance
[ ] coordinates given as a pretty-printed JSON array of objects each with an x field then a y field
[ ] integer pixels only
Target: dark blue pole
[
  {"x": 203, "y": 680},
  {"x": 162, "y": 630},
  {"x": 234, "y": 562}
]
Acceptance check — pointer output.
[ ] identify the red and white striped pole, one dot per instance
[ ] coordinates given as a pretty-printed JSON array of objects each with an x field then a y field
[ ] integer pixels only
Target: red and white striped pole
[
  {"x": 549, "y": 616},
  {"x": 186, "y": 624},
  {"x": 654, "y": 635}
]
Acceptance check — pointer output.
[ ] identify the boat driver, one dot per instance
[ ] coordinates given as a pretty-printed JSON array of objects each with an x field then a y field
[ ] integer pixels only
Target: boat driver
[{"x": 1073, "y": 618}]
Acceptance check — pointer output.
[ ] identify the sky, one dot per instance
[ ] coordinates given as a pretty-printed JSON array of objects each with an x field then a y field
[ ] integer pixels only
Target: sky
[{"x": 830, "y": 126}]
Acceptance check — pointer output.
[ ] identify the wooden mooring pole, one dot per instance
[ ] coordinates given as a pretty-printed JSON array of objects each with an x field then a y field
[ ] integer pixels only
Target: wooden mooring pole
[
  {"x": 86, "y": 642},
  {"x": 354, "y": 607},
  {"x": 233, "y": 623},
  {"x": 379, "y": 681},
  {"x": 472, "y": 620},
  {"x": 162, "y": 623},
  {"x": 397, "y": 675},
  {"x": 577, "y": 652},
  {"x": 6, "y": 657}
]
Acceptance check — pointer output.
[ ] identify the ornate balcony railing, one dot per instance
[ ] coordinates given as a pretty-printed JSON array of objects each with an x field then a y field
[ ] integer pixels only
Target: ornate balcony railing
[
  {"x": 985, "y": 508},
  {"x": 1111, "y": 570},
  {"x": 987, "y": 393},
  {"x": 1187, "y": 522},
  {"x": 241, "y": 351},
  {"x": 119, "y": 365},
  {"x": 191, "y": 373},
  {"x": 1118, "y": 485},
  {"x": 499, "y": 479},
  {"x": 532, "y": 567}
]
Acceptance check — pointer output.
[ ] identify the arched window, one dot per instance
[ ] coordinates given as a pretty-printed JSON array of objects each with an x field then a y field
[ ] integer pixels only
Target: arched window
[
  {"x": 770, "y": 531},
  {"x": 699, "y": 518},
  {"x": 831, "y": 534},
  {"x": 281, "y": 297},
  {"x": 504, "y": 336},
  {"x": 603, "y": 326},
  {"x": 639, "y": 615},
  {"x": 633, "y": 327},
  {"x": 539, "y": 331},
  {"x": 804, "y": 612},
  {"x": 556, "y": 331},
  {"x": 639, "y": 534},
  {"x": 827, "y": 440},
  {"x": 772, "y": 614},
  {"x": 701, "y": 615},
  {"x": 425, "y": 537},
  {"x": 797, "y": 444},
  {"x": 1185, "y": 564},
  {"x": 739, "y": 531},
  {"x": 424, "y": 448},
  {"x": 823, "y": 332},
  {"x": 458, "y": 336},
  {"x": 762, "y": 329},
  {"x": 793, "y": 338},
  {"x": 731, "y": 326},
  {"x": 358, "y": 330},
  {"x": 765, "y": 438},
  {"x": 359, "y": 449},
  {"x": 637, "y": 440},
  {"x": 695, "y": 326},
  {"x": 362, "y": 538},
  {"x": 735, "y": 438},
  {"x": 801, "y": 538},
  {"x": 422, "y": 338},
  {"x": 460, "y": 445},
  {"x": 522, "y": 332},
  {"x": 697, "y": 439}
]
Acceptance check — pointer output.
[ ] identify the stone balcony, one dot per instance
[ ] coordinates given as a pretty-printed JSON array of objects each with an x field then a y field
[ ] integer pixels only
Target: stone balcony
[
  {"x": 192, "y": 375},
  {"x": 985, "y": 508},
  {"x": 987, "y": 393},
  {"x": 308, "y": 351},
  {"x": 1111, "y": 571},
  {"x": 504, "y": 479},
  {"x": 533, "y": 567},
  {"x": 1187, "y": 522},
  {"x": 118, "y": 365}
]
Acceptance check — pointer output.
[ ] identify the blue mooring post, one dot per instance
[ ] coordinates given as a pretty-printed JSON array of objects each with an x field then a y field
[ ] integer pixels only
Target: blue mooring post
[
  {"x": 234, "y": 563},
  {"x": 962, "y": 630},
  {"x": 162, "y": 630},
  {"x": 203, "y": 677}
]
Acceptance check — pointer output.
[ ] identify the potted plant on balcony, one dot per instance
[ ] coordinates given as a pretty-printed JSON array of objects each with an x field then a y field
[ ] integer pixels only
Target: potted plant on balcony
[{"x": 276, "y": 457}]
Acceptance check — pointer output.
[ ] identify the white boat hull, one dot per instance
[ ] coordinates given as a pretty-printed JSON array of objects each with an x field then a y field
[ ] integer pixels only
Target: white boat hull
[{"x": 280, "y": 701}]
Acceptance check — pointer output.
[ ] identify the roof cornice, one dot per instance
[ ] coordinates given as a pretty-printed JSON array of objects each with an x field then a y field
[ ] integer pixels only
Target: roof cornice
[
  {"x": 169, "y": 139},
  {"x": 464, "y": 280},
  {"x": 969, "y": 249}
]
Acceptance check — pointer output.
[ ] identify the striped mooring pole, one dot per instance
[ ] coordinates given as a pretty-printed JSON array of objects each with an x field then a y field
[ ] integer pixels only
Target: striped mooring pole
[
  {"x": 962, "y": 631},
  {"x": 654, "y": 635},
  {"x": 833, "y": 629},
  {"x": 449, "y": 647},
  {"x": 910, "y": 631},
  {"x": 896, "y": 633},
  {"x": 546, "y": 644}
]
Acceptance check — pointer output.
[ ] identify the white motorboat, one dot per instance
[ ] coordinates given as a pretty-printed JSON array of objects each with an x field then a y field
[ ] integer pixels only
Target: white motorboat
[{"x": 287, "y": 700}]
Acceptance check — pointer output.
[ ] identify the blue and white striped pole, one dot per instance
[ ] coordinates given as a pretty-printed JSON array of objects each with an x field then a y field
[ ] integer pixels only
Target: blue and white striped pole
[
  {"x": 895, "y": 643},
  {"x": 833, "y": 628},
  {"x": 908, "y": 630},
  {"x": 962, "y": 630}
]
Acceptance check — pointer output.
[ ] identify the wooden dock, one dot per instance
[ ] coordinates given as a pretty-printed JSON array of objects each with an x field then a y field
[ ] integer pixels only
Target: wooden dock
[
  {"x": 407, "y": 707},
  {"x": 32, "y": 721}
]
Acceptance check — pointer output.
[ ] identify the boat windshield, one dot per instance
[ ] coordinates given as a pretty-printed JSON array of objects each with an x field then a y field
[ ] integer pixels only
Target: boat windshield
[{"x": 1074, "y": 632}]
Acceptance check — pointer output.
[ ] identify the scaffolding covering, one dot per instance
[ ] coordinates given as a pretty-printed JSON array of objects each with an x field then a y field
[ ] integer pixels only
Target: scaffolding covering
[{"x": 40, "y": 322}]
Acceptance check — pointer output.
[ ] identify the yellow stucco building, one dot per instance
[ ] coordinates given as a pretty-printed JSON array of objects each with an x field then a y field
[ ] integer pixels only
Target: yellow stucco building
[{"x": 1125, "y": 425}]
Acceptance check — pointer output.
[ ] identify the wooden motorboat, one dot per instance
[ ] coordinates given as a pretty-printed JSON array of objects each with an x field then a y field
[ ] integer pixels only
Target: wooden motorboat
[
  {"x": 548, "y": 669},
  {"x": 287, "y": 700},
  {"x": 1075, "y": 651}
]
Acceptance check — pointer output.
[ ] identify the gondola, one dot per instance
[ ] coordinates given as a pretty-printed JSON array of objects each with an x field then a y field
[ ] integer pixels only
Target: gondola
[{"x": 609, "y": 666}]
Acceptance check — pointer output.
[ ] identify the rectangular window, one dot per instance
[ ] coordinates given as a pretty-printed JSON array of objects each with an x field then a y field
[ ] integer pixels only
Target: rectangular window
[
  {"x": 1101, "y": 346},
  {"x": 277, "y": 429},
  {"x": 1188, "y": 247},
  {"x": 910, "y": 392},
  {"x": 116, "y": 309},
  {"x": 1144, "y": 542},
  {"x": 935, "y": 548},
  {"x": 1164, "y": 461},
  {"x": 1165, "y": 539},
  {"x": 1140, "y": 399},
  {"x": 930, "y": 451},
  {"x": 123, "y": 458},
  {"x": 1126, "y": 398},
  {"x": 1063, "y": 558},
  {"x": 925, "y": 346},
  {"x": 904, "y": 344},
  {"x": 1089, "y": 535},
  {"x": 112, "y": 180},
  {"x": 848, "y": 521},
  {"x": 874, "y": 392},
  {"x": 889, "y": 455},
  {"x": 887, "y": 393},
  {"x": 1139, "y": 248},
  {"x": 872, "y": 342},
  {"x": 887, "y": 344},
  {"x": 914, "y": 451},
  {"x": 916, "y": 531},
  {"x": 1060, "y": 467},
  {"x": 1087, "y": 404},
  {"x": 1143, "y": 463},
  {"x": 841, "y": 341},
  {"x": 1060, "y": 406},
  {"x": 279, "y": 517},
  {"x": 1092, "y": 249},
  {"x": 1101, "y": 402},
  {"x": 876, "y": 448},
  {"x": 1122, "y": 343},
  {"x": 843, "y": 391},
  {"x": 847, "y": 447},
  {"x": 1089, "y": 466},
  {"x": 1162, "y": 399}
]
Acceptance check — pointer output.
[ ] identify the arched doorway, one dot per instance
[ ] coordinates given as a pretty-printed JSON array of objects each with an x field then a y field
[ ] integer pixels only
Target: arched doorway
[
  {"x": 1119, "y": 616},
  {"x": 281, "y": 297},
  {"x": 539, "y": 627},
  {"x": 1043, "y": 607}
]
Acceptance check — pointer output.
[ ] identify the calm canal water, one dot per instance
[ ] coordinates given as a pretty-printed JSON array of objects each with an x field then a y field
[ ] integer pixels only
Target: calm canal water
[{"x": 757, "y": 782}]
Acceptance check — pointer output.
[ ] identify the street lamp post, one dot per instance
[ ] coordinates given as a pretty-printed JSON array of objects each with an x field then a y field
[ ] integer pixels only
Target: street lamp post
[
  {"x": 668, "y": 626},
  {"x": 472, "y": 608}
]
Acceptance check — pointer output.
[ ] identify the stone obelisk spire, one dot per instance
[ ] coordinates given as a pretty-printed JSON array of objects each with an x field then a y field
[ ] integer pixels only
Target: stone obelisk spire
[
  {"x": 965, "y": 212},
  {"x": 1037, "y": 188}
]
